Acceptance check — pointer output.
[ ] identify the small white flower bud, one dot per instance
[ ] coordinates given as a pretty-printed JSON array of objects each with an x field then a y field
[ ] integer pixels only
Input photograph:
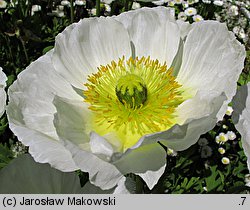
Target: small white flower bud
[
  {"x": 221, "y": 150},
  {"x": 225, "y": 160}
]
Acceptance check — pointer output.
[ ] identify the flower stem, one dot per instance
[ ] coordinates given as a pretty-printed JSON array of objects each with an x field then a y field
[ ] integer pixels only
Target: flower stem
[
  {"x": 98, "y": 8},
  {"x": 24, "y": 50},
  {"x": 126, "y": 5},
  {"x": 71, "y": 11},
  {"x": 139, "y": 185}
]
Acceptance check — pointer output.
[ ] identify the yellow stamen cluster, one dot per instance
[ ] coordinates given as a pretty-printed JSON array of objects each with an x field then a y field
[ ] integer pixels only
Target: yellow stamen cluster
[{"x": 148, "y": 98}]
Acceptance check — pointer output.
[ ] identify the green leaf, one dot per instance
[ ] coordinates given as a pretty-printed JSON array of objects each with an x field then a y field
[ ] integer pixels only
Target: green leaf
[
  {"x": 214, "y": 180},
  {"x": 130, "y": 185},
  {"x": 89, "y": 188},
  {"x": 5, "y": 155},
  {"x": 24, "y": 175},
  {"x": 47, "y": 49},
  {"x": 3, "y": 124}
]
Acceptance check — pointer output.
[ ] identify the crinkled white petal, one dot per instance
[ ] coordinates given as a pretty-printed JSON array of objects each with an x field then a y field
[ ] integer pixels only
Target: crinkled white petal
[
  {"x": 151, "y": 177},
  {"x": 121, "y": 187},
  {"x": 153, "y": 32},
  {"x": 181, "y": 137},
  {"x": 141, "y": 159},
  {"x": 241, "y": 117},
  {"x": 212, "y": 61},
  {"x": 84, "y": 46},
  {"x": 3, "y": 80},
  {"x": 71, "y": 120},
  {"x": 101, "y": 173},
  {"x": 43, "y": 148},
  {"x": 31, "y": 112},
  {"x": 184, "y": 27},
  {"x": 70, "y": 123},
  {"x": 100, "y": 146},
  {"x": 197, "y": 107}
]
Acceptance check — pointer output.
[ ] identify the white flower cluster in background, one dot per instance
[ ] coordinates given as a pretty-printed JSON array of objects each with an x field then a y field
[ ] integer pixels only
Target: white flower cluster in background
[
  {"x": 236, "y": 14},
  {"x": 224, "y": 137},
  {"x": 60, "y": 9},
  {"x": 221, "y": 139},
  {"x": 18, "y": 149},
  {"x": 187, "y": 9},
  {"x": 58, "y": 12}
]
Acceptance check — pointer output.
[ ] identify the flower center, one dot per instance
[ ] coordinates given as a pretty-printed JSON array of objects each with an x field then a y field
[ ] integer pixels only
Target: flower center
[
  {"x": 133, "y": 98},
  {"x": 131, "y": 91}
]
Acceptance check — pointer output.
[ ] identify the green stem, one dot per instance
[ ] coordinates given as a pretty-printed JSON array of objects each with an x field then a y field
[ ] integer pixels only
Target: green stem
[
  {"x": 24, "y": 49},
  {"x": 126, "y": 5},
  {"x": 139, "y": 185},
  {"x": 71, "y": 11},
  {"x": 10, "y": 55},
  {"x": 98, "y": 8}
]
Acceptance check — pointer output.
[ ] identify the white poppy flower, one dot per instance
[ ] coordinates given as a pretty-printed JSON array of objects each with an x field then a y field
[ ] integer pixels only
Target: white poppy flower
[
  {"x": 3, "y": 80},
  {"x": 113, "y": 87},
  {"x": 241, "y": 117}
]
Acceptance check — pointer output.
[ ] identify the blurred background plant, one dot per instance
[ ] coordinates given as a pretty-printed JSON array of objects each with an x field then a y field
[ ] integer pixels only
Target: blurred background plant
[{"x": 215, "y": 164}]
